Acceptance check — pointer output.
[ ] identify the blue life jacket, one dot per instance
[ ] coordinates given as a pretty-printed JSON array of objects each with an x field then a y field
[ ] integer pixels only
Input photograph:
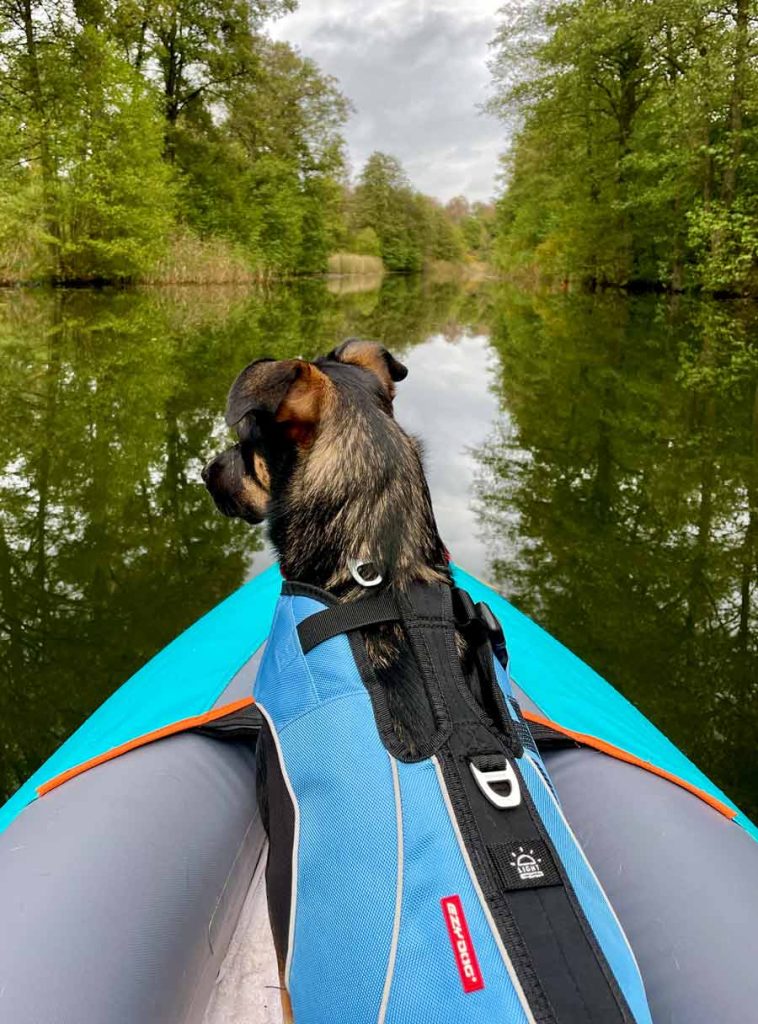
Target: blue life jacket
[{"x": 446, "y": 888}]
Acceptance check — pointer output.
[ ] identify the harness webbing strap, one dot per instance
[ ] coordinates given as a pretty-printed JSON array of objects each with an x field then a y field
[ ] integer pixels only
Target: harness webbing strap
[
  {"x": 342, "y": 618},
  {"x": 561, "y": 947},
  {"x": 387, "y": 607}
]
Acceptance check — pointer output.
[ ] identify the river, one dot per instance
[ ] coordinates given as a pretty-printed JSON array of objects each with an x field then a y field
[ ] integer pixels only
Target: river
[{"x": 595, "y": 457}]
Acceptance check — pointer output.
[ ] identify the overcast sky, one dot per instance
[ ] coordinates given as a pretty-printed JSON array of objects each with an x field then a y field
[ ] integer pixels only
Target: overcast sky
[{"x": 415, "y": 71}]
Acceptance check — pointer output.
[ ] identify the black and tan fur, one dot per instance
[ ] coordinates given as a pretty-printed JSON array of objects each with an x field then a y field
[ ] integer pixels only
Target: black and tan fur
[{"x": 322, "y": 459}]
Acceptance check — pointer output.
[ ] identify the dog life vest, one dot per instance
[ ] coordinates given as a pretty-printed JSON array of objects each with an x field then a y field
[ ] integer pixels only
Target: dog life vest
[{"x": 446, "y": 889}]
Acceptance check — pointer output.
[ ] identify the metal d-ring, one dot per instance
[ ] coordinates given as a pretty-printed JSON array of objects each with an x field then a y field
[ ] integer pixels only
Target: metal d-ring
[
  {"x": 355, "y": 566},
  {"x": 486, "y": 779}
]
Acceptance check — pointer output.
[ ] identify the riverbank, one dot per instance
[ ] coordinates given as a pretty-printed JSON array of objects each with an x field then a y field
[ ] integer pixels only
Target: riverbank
[
  {"x": 191, "y": 260},
  {"x": 533, "y": 278}
]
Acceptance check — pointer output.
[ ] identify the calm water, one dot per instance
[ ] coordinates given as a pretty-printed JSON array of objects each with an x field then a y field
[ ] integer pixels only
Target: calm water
[{"x": 595, "y": 457}]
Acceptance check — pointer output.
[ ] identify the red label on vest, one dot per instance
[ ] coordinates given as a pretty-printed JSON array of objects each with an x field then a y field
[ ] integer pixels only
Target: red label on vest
[{"x": 463, "y": 947}]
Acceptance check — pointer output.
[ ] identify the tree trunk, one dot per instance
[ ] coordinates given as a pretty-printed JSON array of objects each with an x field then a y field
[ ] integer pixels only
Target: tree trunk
[
  {"x": 171, "y": 87},
  {"x": 47, "y": 164},
  {"x": 736, "y": 103},
  {"x": 139, "y": 57}
]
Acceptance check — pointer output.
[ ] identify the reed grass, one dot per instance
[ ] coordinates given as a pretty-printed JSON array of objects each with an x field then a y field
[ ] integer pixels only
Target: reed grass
[
  {"x": 345, "y": 264},
  {"x": 193, "y": 260}
]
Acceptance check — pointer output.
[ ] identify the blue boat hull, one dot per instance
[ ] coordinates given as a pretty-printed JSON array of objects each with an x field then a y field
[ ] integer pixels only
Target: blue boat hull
[{"x": 124, "y": 861}]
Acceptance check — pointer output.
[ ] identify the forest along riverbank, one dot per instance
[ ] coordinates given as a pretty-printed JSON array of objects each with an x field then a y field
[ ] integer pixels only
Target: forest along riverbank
[
  {"x": 634, "y": 151},
  {"x": 594, "y": 456},
  {"x": 193, "y": 148}
]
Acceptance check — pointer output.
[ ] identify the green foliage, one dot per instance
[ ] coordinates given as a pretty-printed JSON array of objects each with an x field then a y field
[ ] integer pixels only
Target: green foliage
[
  {"x": 133, "y": 135},
  {"x": 475, "y": 224},
  {"x": 366, "y": 243},
  {"x": 286, "y": 122},
  {"x": 626, "y": 519},
  {"x": 85, "y": 192},
  {"x": 385, "y": 202},
  {"x": 724, "y": 243},
  {"x": 411, "y": 229},
  {"x": 192, "y": 49},
  {"x": 129, "y": 124},
  {"x": 114, "y": 194},
  {"x": 635, "y": 152}
]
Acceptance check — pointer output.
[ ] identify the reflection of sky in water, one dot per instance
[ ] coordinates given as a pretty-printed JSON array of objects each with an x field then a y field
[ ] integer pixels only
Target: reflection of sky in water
[{"x": 446, "y": 401}]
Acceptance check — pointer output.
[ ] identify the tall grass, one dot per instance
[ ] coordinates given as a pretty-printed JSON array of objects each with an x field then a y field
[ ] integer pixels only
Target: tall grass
[
  {"x": 347, "y": 263},
  {"x": 466, "y": 270},
  {"x": 193, "y": 260}
]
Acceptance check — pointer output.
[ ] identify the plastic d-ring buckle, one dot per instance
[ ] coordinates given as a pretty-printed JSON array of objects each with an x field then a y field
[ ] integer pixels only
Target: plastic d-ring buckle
[{"x": 485, "y": 781}]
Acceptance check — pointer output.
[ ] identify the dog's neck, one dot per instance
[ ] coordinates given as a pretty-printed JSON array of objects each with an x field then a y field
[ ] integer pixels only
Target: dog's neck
[{"x": 366, "y": 501}]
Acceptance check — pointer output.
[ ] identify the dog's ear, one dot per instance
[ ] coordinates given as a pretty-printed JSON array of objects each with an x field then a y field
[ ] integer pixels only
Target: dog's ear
[
  {"x": 289, "y": 390},
  {"x": 374, "y": 357}
]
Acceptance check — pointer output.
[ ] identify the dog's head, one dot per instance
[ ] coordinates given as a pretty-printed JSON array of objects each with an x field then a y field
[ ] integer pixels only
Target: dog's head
[{"x": 311, "y": 437}]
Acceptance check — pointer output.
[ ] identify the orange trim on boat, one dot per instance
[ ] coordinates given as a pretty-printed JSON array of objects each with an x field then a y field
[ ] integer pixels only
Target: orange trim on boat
[
  {"x": 227, "y": 709},
  {"x": 623, "y": 755},
  {"x": 157, "y": 734}
]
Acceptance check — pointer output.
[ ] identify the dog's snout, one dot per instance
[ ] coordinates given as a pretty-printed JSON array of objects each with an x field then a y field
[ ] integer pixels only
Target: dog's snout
[{"x": 236, "y": 493}]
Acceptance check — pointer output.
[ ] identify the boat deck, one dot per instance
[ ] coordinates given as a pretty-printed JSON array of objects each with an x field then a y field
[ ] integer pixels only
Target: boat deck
[{"x": 247, "y": 988}]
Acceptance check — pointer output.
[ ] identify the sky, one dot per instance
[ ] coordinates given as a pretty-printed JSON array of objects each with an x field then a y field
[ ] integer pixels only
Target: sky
[{"x": 415, "y": 71}]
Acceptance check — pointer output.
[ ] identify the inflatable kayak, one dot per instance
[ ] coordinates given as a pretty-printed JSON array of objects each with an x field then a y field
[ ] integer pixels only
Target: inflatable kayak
[{"x": 127, "y": 858}]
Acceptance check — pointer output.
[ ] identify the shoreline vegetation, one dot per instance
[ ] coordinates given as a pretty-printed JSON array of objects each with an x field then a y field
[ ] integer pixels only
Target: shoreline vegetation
[
  {"x": 198, "y": 264},
  {"x": 174, "y": 145},
  {"x": 633, "y": 156},
  {"x": 181, "y": 144}
]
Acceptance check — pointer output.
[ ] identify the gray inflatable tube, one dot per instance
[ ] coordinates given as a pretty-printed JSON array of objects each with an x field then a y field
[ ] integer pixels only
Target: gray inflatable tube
[{"x": 120, "y": 890}]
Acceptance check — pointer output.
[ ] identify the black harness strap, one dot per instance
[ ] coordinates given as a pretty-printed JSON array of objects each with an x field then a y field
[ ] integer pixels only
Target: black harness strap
[
  {"x": 343, "y": 618},
  {"x": 549, "y": 739},
  {"x": 479, "y": 747}
]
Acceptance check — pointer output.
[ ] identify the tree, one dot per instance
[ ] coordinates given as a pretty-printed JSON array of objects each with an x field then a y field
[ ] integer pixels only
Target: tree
[
  {"x": 633, "y": 152},
  {"x": 86, "y": 193},
  {"x": 100, "y": 93},
  {"x": 293, "y": 110},
  {"x": 384, "y": 201},
  {"x": 115, "y": 192},
  {"x": 194, "y": 49},
  {"x": 141, "y": 140}
]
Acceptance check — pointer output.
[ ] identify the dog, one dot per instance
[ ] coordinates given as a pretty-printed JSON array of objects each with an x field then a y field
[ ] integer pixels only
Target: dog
[{"x": 321, "y": 458}]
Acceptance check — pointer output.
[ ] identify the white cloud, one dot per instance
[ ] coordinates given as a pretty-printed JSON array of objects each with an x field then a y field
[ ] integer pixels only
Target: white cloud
[{"x": 416, "y": 73}]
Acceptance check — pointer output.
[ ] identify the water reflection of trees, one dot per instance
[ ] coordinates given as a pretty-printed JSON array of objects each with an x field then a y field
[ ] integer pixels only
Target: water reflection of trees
[
  {"x": 109, "y": 545},
  {"x": 623, "y": 497}
]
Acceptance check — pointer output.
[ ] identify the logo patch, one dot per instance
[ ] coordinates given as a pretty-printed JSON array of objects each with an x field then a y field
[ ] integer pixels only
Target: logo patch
[
  {"x": 463, "y": 947},
  {"x": 527, "y": 865},
  {"x": 524, "y": 864}
]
